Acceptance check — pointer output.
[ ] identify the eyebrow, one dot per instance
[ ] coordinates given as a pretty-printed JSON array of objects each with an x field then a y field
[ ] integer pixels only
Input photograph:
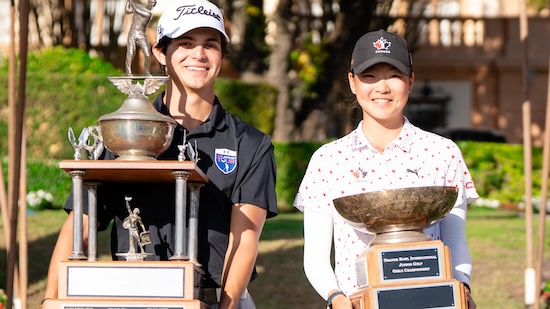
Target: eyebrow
[{"x": 190, "y": 38}]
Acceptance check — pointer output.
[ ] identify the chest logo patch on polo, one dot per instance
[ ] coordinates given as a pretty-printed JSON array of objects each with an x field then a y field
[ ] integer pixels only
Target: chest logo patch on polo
[{"x": 226, "y": 160}]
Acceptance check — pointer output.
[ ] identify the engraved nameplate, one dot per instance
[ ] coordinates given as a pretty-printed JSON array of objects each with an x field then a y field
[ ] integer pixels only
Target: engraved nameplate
[
  {"x": 440, "y": 296},
  {"x": 410, "y": 264},
  {"x": 125, "y": 281},
  {"x": 117, "y": 280}
]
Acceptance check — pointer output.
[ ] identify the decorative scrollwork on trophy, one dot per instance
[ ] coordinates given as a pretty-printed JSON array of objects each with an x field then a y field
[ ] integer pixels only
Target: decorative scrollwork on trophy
[
  {"x": 94, "y": 142},
  {"x": 79, "y": 143},
  {"x": 150, "y": 85}
]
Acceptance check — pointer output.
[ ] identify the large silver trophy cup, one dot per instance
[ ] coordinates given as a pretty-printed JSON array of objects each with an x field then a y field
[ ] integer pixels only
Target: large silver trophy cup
[
  {"x": 136, "y": 131},
  {"x": 403, "y": 268},
  {"x": 397, "y": 215}
]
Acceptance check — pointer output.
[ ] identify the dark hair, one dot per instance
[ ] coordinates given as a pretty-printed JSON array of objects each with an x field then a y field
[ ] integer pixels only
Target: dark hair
[{"x": 349, "y": 100}]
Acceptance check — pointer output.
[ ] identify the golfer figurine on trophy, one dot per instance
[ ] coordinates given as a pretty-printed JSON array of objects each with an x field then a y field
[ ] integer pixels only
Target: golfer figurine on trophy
[{"x": 137, "y": 234}]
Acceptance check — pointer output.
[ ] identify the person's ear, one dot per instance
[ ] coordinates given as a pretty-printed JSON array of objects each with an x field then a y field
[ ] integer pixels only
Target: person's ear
[
  {"x": 351, "y": 82},
  {"x": 161, "y": 57},
  {"x": 411, "y": 82}
]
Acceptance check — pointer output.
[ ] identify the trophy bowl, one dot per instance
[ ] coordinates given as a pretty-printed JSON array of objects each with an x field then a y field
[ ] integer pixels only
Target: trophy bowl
[
  {"x": 136, "y": 131},
  {"x": 397, "y": 215}
]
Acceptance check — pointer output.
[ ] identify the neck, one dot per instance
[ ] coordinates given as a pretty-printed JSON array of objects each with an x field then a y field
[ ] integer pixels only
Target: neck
[
  {"x": 189, "y": 109},
  {"x": 381, "y": 134}
]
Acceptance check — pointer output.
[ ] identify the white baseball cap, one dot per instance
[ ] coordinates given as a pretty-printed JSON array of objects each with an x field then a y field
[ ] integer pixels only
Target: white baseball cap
[{"x": 182, "y": 16}]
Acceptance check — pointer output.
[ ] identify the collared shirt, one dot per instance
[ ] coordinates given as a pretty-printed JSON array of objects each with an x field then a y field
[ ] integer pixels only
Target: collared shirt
[{"x": 351, "y": 165}]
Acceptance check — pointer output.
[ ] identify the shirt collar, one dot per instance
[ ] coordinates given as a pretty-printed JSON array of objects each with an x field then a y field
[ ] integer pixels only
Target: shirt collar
[
  {"x": 216, "y": 119},
  {"x": 403, "y": 141}
]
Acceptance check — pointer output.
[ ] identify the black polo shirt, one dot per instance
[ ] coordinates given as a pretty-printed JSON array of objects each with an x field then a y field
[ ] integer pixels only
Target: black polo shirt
[{"x": 239, "y": 163}]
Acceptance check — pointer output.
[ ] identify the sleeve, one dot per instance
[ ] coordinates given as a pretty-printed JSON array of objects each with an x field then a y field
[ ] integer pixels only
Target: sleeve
[
  {"x": 453, "y": 226},
  {"x": 313, "y": 190},
  {"x": 257, "y": 184},
  {"x": 318, "y": 231}
]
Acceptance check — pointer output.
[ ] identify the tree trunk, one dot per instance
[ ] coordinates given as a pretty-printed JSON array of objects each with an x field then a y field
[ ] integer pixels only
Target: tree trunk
[
  {"x": 278, "y": 73},
  {"x": 332, "y": 113}
]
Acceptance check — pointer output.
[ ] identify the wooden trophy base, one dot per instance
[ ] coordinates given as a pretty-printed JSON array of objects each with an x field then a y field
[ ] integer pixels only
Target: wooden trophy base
[
  {"x": 412, "y": 275},
  {"x": 118, "y": 284}
]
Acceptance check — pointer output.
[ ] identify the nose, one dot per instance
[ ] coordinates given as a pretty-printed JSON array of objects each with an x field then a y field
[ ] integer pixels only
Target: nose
[
  {"x": 198, "y": 52},
  {"x": 382, "y": 86}
]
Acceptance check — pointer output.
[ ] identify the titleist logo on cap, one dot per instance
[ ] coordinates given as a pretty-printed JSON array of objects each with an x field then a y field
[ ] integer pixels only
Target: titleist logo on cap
[{"x": 193, "y": 9}]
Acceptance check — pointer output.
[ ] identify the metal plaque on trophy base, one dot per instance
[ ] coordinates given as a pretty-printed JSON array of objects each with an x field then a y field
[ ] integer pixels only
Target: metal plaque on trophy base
[
  {"x": 448, "y": 294},
  {"x": 403, "y": 268},
  {"x": 117, "y": 280}
]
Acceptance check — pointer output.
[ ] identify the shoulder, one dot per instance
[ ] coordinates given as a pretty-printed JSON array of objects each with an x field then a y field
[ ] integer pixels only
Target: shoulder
[
  {"x": 336, "y": 149},
  {"x": 245, "y": 133},
  {"x": 435, "y": 141}
]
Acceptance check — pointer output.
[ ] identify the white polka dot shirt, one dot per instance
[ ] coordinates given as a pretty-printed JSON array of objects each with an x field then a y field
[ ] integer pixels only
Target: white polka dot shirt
[{"x": 351, "y": 165}]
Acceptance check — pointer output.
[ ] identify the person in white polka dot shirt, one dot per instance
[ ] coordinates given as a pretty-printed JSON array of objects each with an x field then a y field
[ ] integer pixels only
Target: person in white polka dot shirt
[{"x": 385, "y": 151}]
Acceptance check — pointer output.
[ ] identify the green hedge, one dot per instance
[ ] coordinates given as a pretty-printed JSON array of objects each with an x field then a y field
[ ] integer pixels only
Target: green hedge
[
  {"x": 497, "y": 170},
  {"x": 68, "y": 88}
]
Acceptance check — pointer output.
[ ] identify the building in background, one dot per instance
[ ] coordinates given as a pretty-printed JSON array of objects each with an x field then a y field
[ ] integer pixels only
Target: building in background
[{"x": 467, "y": 56}]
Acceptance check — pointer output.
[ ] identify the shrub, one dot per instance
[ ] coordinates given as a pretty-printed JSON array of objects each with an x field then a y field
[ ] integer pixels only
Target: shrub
[
  {"x": 64, "y": 88},
  {"x": 68, "y": 88},
  {"x": 45, "y": 176},
  {"x": 498, "y": 169},
  {"x": 292, "y": 160},
  {"x": 252, "y": 103}
]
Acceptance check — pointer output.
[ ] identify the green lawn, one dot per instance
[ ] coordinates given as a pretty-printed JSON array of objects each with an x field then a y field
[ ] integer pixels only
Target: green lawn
[{"x": 497, "y": 241}]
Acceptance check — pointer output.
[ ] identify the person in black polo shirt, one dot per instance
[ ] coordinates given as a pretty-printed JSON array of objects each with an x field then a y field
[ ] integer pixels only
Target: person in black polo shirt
[{"x": 236, "y": 157}]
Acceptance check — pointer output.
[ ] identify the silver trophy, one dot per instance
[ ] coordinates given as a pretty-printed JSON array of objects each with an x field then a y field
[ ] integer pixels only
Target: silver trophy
[
  {"x": 398, "y": 215},
  {"x": 403, "y": 267}
]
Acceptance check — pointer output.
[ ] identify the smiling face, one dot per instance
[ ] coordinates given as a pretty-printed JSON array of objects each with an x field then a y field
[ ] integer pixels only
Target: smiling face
[
  {"x": 382, "y": 92},
  {"x": 193, "y": 60}
]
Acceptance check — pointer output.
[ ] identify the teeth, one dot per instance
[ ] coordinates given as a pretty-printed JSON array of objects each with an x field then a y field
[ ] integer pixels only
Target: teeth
[
  {"x": 196, "y": 69},
  {"x": 381, "y": 101}
]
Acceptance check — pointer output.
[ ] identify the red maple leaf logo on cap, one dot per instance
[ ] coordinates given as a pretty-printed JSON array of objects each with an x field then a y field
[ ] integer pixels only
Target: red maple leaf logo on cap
[{"x": 381, "y": 43}]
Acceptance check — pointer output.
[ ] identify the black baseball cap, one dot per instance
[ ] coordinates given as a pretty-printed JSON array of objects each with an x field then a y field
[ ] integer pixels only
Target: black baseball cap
[{"x": 381, "y": 47}]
